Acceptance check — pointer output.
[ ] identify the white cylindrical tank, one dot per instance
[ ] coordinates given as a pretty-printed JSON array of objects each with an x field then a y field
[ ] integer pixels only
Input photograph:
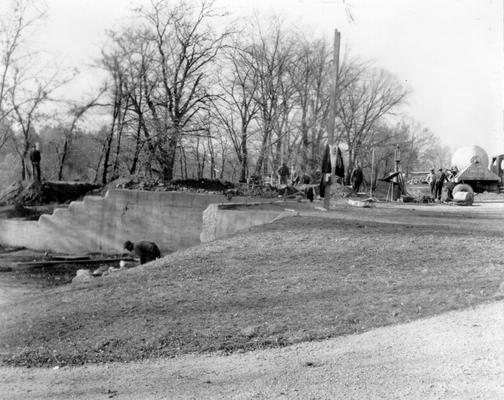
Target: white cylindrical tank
[{"x": 468, "y": 155}]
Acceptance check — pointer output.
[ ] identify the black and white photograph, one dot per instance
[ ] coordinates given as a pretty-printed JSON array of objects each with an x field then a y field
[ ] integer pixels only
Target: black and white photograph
[{"x": 236, "y": 199}]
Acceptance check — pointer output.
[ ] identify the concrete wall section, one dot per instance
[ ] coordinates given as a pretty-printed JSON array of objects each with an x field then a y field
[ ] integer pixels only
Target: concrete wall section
[
  {"x": 220, "y": 221},
  {"x": 171, "y": 219}
]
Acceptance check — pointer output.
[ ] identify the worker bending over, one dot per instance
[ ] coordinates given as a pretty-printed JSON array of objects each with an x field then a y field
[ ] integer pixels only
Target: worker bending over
[{"x": 146, "y": 251}]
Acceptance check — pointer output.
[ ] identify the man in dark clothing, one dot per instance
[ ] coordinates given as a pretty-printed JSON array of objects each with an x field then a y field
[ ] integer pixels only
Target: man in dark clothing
[
  {"x": 146, "y": 251},
  {"x": 305, "y": 178},
  {"x": 310, "y": 193},
  {"x": 332, "y": 159},
  {"x": 284, "y": 174},
  {"x": 356, "y": 178},
  {"x": 35, "y": 161},
  {"x": 440, "y": 180}
]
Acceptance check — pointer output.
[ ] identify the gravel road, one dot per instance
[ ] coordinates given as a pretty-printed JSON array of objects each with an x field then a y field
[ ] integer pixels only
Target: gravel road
[{"x": 458, "y": 355}]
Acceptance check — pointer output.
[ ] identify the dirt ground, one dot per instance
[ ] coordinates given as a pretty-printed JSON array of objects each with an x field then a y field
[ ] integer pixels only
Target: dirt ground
[{"x": 456, "y": 355}]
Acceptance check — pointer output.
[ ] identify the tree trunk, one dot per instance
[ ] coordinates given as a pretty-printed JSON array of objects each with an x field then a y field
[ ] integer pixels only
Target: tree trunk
[
  {"x": 211, "y": 152},
  {"x": 120, "y": 127},
  {"x": 304, "y": 139},
  {"x": 263, "y": 151},
  {"x": 64, "y": 154},
  {"x": 23, "y": 169},
  {"x": 107, "y": 146},
  {"x": 136, "y": 154},
  {"x": 98, "y": 168},
  {"x": 167, "y": 160},
  {"x": 244, "y": 158}
]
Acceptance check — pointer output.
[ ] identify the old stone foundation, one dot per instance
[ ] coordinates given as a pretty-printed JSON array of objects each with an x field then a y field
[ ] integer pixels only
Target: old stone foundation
[{"x": 174, "y": 220}]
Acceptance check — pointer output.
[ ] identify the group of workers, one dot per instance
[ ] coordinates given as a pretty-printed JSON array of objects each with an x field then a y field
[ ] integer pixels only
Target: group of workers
[
  {"x": 437, "y": 180},
  {"x": 284, "y": 173}
]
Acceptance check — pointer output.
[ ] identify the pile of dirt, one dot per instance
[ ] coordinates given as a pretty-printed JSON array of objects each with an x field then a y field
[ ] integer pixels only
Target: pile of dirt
[
  {"x": 192, "y": 185},
  {"x": 204, "y": 186},
  {"x": 48, "y": 192},
  {"x": 11, "y": 193},
  {"x": 489, "y": 196}
]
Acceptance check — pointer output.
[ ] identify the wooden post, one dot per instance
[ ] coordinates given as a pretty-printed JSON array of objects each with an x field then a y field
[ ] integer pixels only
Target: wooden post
[
  {"x": 332, "y": 113},
  {"x": 397, "y": 158},
  {"x": 372, "y": 174}
]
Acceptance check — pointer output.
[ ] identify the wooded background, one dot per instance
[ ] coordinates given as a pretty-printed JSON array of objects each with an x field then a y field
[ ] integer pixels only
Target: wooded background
[{"x": 190, "y": 95}]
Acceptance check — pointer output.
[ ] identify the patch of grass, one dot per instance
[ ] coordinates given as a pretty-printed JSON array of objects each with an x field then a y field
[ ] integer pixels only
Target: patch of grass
[{"x": 300, "y": 279}]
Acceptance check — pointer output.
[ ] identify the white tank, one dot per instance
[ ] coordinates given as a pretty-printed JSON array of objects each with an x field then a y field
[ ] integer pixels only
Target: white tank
[{"x": 468, "y": 155}]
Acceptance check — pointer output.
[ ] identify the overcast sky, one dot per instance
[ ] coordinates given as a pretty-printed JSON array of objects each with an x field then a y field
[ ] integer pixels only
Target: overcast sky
[{"x": 450, "y": 53}]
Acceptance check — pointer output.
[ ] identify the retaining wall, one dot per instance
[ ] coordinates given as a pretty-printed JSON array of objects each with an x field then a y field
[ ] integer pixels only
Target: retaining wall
[
  {"x": 221, "y": 220},
  {"x": 174, "y": 220}
]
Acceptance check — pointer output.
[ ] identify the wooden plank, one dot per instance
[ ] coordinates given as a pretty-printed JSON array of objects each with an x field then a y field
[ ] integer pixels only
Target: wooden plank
[
  {"x": 56, "y": 258},
  {"x": 5, "y": 250},
  {"x": 90, "y": 261}
]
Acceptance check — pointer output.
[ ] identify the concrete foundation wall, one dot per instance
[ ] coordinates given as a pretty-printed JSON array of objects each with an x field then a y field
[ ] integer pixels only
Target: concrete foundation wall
[
  {"x": 220, "y": 221},
  {"x": 173, "y": 220}
]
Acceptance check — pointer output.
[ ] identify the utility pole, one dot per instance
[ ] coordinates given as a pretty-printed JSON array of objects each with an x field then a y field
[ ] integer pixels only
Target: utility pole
[
  {"x": 397, "y": 158},
  {"x": 398, "y": 179},
  {"x": 332, "y": 114}
]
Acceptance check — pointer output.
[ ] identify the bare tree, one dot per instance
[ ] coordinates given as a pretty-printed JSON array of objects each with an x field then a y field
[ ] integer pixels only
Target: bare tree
[
  {"x": 183, "y": 48},
  {"x": 26, "y": 112},
  {"x": 309, "y": 74},
  {"x": 27, "y": 83},
  {"x": 30, "y": 90},
  {"x": 129, "y": 62},
  {"x": 20, "y": 94},
  {"x": 76, "y": 112},
  {"x": 15, "y": 25},
  {"x": 370, "y": 95},
  {"x": 112, "y": 63},
  {"x": 236, "y": 108},
  {"x": 269, "y": 56}
]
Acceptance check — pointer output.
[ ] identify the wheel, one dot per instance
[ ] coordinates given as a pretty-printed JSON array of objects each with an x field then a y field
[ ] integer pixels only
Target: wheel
[{"x": 464, "y": 188}]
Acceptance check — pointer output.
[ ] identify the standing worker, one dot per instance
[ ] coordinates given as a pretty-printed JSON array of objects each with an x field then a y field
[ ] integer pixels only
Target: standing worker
[
  {"x": 356, "y": 177},
  {"x": 431, "y": 180},
  {"x": 451, "y": 184},
  {"x": 35, "y": 162},
  {"x": 440, "y": 180},
  {"x": 284, "y": 174}
]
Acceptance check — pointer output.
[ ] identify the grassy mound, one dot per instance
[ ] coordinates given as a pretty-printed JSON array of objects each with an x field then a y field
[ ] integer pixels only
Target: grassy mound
[{"x": 299, "y": 279}]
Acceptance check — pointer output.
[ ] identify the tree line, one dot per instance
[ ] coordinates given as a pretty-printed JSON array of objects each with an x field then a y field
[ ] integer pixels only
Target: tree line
[{"x": 189, "y": 95}]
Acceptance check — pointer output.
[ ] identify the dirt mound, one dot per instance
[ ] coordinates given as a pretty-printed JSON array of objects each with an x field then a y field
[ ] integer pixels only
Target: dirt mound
[
  {"x": 489, "y": 196},
  {"x": 194, "y": 185},
  {"x": 9, "y": 195},
  {"x": 203, "y": 184},
  {"x": 34, "y": 193}
]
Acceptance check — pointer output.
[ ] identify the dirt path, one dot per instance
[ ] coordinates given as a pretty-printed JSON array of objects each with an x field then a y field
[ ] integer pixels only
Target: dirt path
[{"x": 458, "y": 355}]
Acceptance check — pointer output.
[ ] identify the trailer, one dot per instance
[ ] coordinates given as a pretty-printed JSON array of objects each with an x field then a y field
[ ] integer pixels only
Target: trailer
[
  {"x": 472, "y": 174},
  {"x": 471, "y": 164}
]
